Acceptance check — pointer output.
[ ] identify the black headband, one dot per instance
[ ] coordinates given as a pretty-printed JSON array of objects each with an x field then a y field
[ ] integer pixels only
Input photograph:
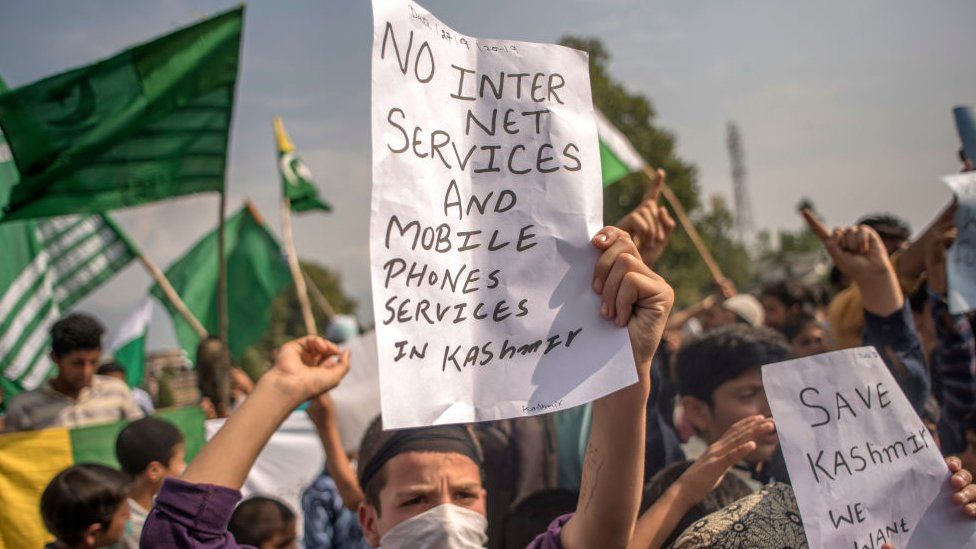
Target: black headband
[{"x": 443, "y": 439}]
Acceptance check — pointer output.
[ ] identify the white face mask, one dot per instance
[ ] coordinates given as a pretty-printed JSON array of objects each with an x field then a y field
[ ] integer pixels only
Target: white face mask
[{"x": 446, "y": 526}]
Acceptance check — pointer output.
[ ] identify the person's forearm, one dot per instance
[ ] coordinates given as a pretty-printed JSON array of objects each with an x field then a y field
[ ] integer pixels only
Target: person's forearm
[
  {"x": 678, "y": 319},
  {"x": 610, "y": 489},
  {"x": 954, "y": 364},
  {"x": 227, "y": 458},
  {"x": 910, "y": 263},
  {"x": 898, "y": 344},
  {"x": 881, "y": 293},
  {"x": 338, "y": 464},
  {"x": 660, "y": 520}
]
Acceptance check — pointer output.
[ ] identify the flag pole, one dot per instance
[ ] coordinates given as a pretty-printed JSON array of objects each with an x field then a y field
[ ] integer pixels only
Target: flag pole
[
  {"x": 222, "y": 325},
  {"x": 688, "y": 226},
  {"x": 318, "y": 296},
  {"x": 157, "y": 274},
  {"x": 172, "y": 296},
  {"x": 295, "y": 268}
]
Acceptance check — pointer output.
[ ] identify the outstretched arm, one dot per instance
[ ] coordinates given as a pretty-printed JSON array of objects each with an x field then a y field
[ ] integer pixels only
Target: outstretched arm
[
  {"x": 610, "y": 491},
  {"x": 859, "y": 253},
  {"x": 323, "y": 414},
  {"x": 305, "y": 368},
  {"x": 657, "y": 523},
  {"x": 649, "y": 224}
]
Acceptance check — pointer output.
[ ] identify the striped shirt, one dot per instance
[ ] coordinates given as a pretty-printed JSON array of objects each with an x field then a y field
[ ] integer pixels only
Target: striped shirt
[{"x": 105, "y": 401}]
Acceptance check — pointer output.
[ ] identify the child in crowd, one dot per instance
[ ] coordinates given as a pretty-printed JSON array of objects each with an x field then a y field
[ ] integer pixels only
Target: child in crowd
[
  {"x": 265, "y": 523},
  {"x": 142, "y": 399},
  {"x": 149, "y": 451},
  {"x": 84, "y": 507}
]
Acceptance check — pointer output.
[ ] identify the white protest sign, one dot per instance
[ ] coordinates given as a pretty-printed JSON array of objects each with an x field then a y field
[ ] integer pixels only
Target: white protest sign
[
  {"x": 961, "y": 261},
  {"x": 486, "y": 192},
  {"x": 863, "y": 466}
]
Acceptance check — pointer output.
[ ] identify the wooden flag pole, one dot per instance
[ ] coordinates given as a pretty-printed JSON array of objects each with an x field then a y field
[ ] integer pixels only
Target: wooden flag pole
[
  {"x": 222, "y": 323},
  {"x": 296, "y": 271},
  {"x": 688, "y": 226},
  {"x": 172, "y": 296},
  {"x": 318, "y": 296}
]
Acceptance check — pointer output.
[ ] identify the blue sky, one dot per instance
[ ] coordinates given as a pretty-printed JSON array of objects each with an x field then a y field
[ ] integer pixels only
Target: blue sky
[{"x": 848, "y": 103}]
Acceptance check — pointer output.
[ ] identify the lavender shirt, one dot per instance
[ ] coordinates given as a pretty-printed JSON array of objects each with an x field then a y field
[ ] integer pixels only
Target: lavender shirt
[{"x": 195, "y": 516}]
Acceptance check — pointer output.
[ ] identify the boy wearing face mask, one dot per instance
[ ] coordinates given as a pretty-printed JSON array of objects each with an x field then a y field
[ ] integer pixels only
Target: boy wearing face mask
[
  {"x": 443, "y": 484},
  {"x": 423, "y": 488}
]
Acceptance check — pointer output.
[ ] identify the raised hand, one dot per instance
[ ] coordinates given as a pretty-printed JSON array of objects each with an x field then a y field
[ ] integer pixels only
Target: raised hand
[
  {"x": 649, "y": 224},
  {"x": 304, "y": 368},
  {"x": 856, "y": 250},
  {"x": 308, "y": 367},
  {"x": 633, "y": 295},
  {"x": 859, "y": 253},
  {"x": 709, "y": 469}
]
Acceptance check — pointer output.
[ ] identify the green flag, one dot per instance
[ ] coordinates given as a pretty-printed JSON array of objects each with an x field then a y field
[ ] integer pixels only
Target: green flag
[
  {"x": 296, "y": 179},
  {"x": 48, "y": 267},
  {"x": 150, "y": 123},
  {"x": 8, "y": 169},
  {"x": 256, "y": 273},
  {"x": 128, "y": 346},
  {"x": 618, "y": 158}
]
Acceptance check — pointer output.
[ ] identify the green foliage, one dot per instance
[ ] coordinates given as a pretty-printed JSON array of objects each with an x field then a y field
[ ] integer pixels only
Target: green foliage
[
  {"x": 715, "y": 226},
  {"x": 634, "y": 115},
  {"x": 286, "y": 316},
  {"x": 790, "y": 244}
]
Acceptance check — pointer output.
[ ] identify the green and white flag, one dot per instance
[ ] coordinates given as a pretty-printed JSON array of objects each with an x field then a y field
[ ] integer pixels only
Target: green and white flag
[
  {"x": 49, "y": 266},
  {"x": 150, "y": 123},
  {"x": 296, "y": 179},
  {"x": 128, "y": 347},
  {"x": 618, "y": 158}
]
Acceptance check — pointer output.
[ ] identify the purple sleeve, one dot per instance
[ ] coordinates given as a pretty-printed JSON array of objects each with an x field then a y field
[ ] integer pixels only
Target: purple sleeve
[
  {"x": 190, "y": 515},
  {"x": 550, "y": 538}
]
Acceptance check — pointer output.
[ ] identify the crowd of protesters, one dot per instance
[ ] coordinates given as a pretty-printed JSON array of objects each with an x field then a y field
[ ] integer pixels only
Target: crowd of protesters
[{"x": 686, "y": 457}]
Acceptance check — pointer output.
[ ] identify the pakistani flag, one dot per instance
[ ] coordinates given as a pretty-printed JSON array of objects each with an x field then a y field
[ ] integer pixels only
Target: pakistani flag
[
  {"x": 128, "y": 347},
  {"x": 47, "y": 267},
  {"x": 256, "y": 273},
  {"x": 296, "y": 178},
  {"x": 150, "y": 123},
  {"x": 618, "y": 158}
]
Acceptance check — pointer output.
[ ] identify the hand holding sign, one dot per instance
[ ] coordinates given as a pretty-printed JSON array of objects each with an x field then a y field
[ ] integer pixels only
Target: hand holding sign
[
  {"x": 962, "y": 482},
  {"x": 486, "y": 193},
  {"x": 649, "y": 224},
  {"x": 633, "y": 295},
  {"x": 864, "y": 468},
  {"x": 859, "y": 253}
]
